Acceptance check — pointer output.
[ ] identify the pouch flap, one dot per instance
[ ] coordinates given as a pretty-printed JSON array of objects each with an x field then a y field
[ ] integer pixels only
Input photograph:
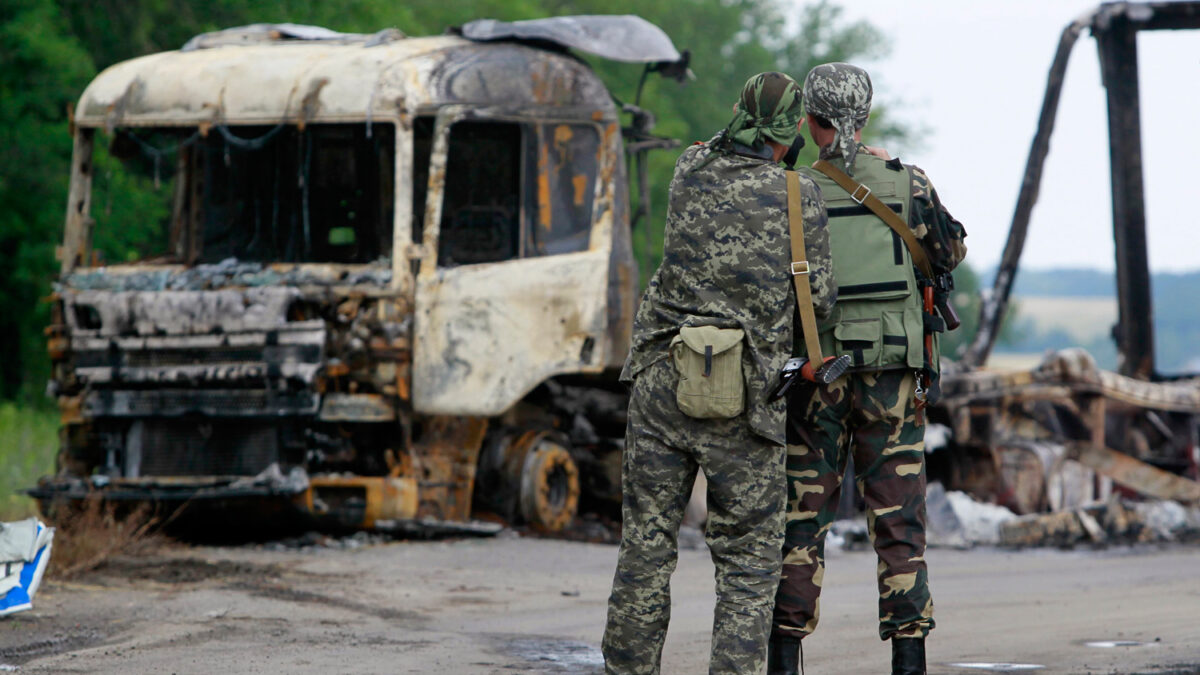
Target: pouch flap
[
  {"x": 867, "y": 330},
  {"x": 720, "y": 339}
]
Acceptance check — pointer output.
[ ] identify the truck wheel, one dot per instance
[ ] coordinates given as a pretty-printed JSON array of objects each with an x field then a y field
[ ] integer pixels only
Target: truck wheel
[{"x": 549, "y": 494}]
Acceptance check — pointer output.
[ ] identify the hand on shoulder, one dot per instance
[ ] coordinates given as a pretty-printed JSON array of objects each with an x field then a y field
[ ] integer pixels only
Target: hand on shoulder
[{"x": 878, "y": 152}]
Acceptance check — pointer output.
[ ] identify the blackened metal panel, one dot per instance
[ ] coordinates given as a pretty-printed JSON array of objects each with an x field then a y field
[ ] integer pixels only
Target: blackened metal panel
[
  {"x": 620, "y": 38},
  {"x": 513, "y": 76},
  {"x": 202, "y": 447},
  {"x": 1117, "y": 43},
  {"x": 1165, "y": 15},
  {"x": 995, "y": 305}
]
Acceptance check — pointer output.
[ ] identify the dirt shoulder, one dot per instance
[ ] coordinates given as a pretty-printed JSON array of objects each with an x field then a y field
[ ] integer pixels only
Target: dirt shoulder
[{"x": 508, "y": 605}]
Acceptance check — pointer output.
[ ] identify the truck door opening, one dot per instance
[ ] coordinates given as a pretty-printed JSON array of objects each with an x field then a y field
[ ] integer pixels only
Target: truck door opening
[{"x": 512, "y": 190}]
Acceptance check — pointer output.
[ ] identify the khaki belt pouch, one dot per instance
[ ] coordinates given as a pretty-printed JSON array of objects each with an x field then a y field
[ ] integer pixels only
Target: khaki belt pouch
[{"x": 709, "y": 362}]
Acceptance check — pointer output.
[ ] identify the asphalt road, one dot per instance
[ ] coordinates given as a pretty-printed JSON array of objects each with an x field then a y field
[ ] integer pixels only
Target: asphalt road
[{"x": 514, "y": 605}]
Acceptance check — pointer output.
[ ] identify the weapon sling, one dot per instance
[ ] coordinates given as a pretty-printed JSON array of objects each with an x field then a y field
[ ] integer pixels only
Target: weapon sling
[
  {"x": 888, "y": 216},
  {"x": 800, "y": 270}
]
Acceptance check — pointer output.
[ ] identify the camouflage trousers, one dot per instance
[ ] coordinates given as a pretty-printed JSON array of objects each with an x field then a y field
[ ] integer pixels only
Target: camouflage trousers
[
  {"x": 663, "y": 450},
  {"x": 873, "y": 414}
]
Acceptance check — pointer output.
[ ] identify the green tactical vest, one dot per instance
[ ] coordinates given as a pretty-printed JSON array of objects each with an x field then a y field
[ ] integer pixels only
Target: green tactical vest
[{"x": 877, "y": 320}]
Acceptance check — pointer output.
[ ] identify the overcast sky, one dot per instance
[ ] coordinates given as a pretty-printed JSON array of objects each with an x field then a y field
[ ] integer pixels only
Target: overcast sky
[{"x": 973, "y": 74}]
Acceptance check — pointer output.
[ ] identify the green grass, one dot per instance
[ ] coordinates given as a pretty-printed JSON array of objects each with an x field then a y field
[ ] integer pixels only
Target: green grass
[{"x": 28, "y": 443}]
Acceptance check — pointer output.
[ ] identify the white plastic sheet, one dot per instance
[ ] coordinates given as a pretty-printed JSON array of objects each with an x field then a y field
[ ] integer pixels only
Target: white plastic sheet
[{"x": 24, "y": 554}]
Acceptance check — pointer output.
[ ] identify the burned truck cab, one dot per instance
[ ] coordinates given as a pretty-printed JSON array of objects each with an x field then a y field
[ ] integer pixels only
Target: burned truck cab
[{"x": 376, "y": 267}]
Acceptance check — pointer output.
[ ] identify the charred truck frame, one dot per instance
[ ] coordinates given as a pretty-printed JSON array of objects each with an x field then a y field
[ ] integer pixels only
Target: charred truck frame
[
  {"x": 1061, "y": 434},
  {"x": 395, "y": 279}
]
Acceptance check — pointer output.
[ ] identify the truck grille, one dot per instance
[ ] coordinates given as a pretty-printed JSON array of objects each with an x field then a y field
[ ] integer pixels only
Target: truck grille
[
  {"x": 207, "y": 447},
  {"x": 210, "y": 402}
]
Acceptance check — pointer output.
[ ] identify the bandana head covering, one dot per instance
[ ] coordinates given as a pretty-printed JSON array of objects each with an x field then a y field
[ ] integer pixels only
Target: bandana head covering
[
  {"x": 840, "y": 93},
  {"x": 769, "y": 109}
]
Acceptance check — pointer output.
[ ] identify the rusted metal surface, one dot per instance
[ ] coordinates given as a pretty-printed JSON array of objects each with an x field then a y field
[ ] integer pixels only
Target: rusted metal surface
[
  {"x": 1137, "y": 475},
  {"x": 531, "y": 475},
  {"x": 356, "y": 408},
  {"x": 79, "y": 199},
  {"x": 483, "y": 347},
  {"x": 383, "y": 292},
  {"x": 478, "y": 356},
  {"x": 261, "y": 83},
  {"x": 444, "y": 461},
  {"x": 362, "y": 501},
  {"x": 1055, "y": 437},
  {"x": 1113, "y": 520}
]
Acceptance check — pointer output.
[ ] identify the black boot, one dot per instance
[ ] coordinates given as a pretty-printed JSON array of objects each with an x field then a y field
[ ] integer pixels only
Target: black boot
[
  {"x": 783, "y": 656},
  {"x": 908, "y": 656}
]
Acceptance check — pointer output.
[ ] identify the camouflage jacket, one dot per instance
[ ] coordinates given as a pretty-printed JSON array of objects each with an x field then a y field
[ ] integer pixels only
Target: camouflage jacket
[
  {"x": 940, "y": 233},
  {"x": 726, "y": 260}
]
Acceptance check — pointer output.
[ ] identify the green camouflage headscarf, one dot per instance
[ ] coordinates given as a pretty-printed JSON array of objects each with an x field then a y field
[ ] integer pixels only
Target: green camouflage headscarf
[
  {"x": 769, "y": 108},
  {"x": 841, "y": 93}
]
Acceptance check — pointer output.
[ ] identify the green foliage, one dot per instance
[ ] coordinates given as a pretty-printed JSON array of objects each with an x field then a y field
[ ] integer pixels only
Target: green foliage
[
  {"x": 50, "y": 49},
  {"x": 42, "y": 69},
  {"x": 28, "y": 441},
  {"x": 131, "y": 209}
]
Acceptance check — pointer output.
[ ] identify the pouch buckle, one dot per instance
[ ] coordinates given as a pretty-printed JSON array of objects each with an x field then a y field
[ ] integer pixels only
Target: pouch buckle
[
  {"x": 801, "y": 267},
  {"x": 856, "y": 198}
]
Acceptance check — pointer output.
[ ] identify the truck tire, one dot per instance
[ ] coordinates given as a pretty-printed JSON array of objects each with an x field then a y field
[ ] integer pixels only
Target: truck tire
[{"x": 549, "y": 487}]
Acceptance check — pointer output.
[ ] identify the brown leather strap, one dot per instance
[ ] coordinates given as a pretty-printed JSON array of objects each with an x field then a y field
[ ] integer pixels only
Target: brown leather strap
[
  {"x": 800, "y": 270},
  {"x": 862, "y": 194}
]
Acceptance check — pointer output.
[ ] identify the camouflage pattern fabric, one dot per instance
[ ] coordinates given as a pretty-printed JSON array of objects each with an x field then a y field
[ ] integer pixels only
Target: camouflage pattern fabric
[
  {"x": 872, "y": 415},
  {"x": 940, "y": 233},
  {"x": 663, "y": 450},
  {"x": 726, "y": 262},
  {"x": 840, "y": 93},
  {"x": 769, "y": 108}
]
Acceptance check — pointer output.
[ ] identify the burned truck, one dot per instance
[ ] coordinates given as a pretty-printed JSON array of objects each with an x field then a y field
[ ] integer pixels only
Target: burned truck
[
  {"x": 393, "y": 277},
  {"x": 1068, "y": 433}
]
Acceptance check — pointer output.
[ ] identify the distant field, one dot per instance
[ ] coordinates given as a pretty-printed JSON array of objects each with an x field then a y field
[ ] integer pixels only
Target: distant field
[
  {"x": 28, "y": 442},
  {"x": 1014, "y": 360},
  {"x": 1083, "y": 318}
]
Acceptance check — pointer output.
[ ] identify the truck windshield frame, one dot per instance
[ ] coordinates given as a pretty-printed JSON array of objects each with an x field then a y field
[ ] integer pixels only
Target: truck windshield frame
[{"x": 285, "y": 193}]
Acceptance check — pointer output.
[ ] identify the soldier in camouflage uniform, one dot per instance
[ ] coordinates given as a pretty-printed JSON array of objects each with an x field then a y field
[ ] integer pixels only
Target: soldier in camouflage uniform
[
  {"x": 725, "y": 266},
  {"x": 870, "y": 412}
]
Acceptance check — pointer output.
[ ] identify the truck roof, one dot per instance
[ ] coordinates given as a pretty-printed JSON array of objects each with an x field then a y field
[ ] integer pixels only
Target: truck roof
[{"x": 272, "y": 78}]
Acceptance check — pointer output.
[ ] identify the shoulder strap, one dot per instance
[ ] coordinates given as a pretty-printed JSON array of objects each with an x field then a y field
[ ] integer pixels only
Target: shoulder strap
[
  {"x": 808, "y": 317},
  {"x": 888, "y": 216}
]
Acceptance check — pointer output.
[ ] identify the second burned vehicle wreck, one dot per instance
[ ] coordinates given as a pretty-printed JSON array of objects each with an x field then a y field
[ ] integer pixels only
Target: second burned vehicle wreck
[
  {"x": 395, "y": 276},
  {"x": 1061, "y": 435}
]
